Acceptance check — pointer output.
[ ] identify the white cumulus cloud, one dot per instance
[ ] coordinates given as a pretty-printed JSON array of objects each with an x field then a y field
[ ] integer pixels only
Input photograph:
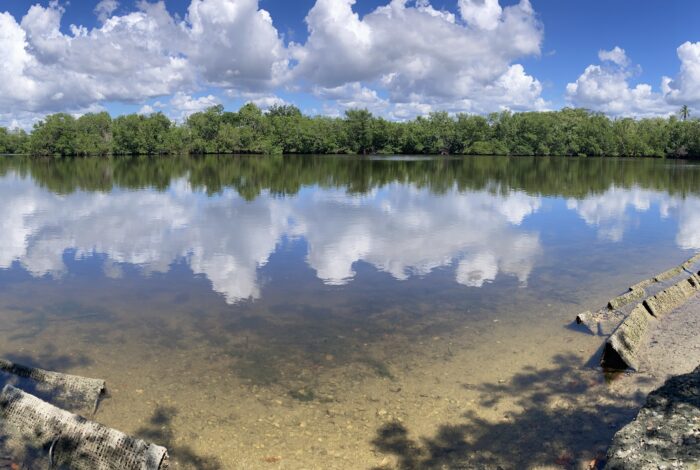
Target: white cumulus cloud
[
  {"x": 404, "y": 58},
  {"x": 609, "y": 88},
  {"x": 616, "y": 55},
  {"x": 235, "y": 44},
  {"x": 143, "y": 54},
  {"x": 105, "y": 8},
  {"x": 685, "y": 88},
  {"x": 127, "y": 59},
  {"x": 424, "y": 58},
  {"x": 182, "y": 105},
  {"x": 483, "y": 14}
]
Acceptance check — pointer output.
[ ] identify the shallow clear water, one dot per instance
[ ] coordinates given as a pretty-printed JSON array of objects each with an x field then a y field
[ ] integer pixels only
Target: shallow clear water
[{"x": 338, "y": 312}]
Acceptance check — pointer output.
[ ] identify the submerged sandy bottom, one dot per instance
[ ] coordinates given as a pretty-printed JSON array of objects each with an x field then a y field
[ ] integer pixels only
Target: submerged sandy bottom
[
  {"x": 406, "y": 315},
  {"x": 319, "y": 385}
]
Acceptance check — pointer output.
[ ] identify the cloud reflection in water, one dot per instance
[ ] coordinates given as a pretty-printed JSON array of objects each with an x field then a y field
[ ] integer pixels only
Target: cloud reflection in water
[{"x": 399, "y": 229}]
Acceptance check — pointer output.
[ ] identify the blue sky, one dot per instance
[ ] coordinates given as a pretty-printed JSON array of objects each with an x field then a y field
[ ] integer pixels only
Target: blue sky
[{"x": 540, "y": 61}]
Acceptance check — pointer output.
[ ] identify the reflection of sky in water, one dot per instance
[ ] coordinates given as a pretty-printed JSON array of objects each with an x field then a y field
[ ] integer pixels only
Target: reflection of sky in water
[
  {"x": 399, "y": 229},
  {"x": 610, "y": 213}
]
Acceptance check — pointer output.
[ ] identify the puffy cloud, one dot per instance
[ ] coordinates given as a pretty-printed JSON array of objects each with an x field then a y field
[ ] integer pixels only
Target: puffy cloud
[
  {"x": 140, "y": 55},
  {"x": 403, "y": 58},
  {"x": 262, "y": 100},
  {"x": 404, "y": 111},
  {"x": 182, "y": 105},
  {"x": 424, "y": 57},
  {"x": 353, "y": 95},
  {"x": 105, "y": 8},
  {"x": 607, "y": 88},
  {"x": 128, "y": 58},
  {"x": 266, "y": 101},
  {"x": 522, "y": 91},
  {"x": 483, "y": 14},
  {"x": 15, "y": 87},
  {"x": 616, "y": 55},
  {"x": 146, "y": 109},
  {"x": 235, "y": 44},
  {"x": 685, "y": 89}
]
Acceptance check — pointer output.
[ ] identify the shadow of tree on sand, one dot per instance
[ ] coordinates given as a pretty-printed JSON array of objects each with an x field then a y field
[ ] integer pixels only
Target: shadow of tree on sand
[
  {"x": 159, "y": 431},
  {"x": 562, "y": 417}
]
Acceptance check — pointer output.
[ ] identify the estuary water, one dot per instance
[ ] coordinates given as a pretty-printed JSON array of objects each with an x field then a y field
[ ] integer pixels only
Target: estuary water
[{"x": 339, "y": 312}]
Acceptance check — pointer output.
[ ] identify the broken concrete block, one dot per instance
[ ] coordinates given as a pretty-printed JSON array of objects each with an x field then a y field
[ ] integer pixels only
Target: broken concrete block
[
  {"x": 44, "y": 436},
  {"x": 692, "y": 261},
  {"x": 669, "y": 299},
  {"x": 626, "y": 298},
  {"x": 643, "y": 284},
  {"x": 602, "y": 322},
  {"x": 588, "y": 320},
  {"x": 622, "y": 347},
  {"x": 71, "y": 392},
  {"x": 670, "y": 274},
  {"x": 665, "y": 433}
]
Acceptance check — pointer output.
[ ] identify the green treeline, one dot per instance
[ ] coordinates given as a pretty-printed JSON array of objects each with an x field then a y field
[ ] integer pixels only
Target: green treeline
[
  {"x": 282, "y": 175},
  {"x": 284, "y": 129}
]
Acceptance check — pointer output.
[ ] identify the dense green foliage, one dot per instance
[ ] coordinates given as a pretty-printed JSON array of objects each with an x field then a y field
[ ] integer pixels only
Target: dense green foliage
[
  {"x": 12, "y": 141},
  {"x": 284, "y": 129},
  {"x": 252, "y": 175}
]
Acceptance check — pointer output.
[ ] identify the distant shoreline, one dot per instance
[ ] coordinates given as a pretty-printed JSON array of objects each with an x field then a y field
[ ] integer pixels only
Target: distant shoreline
[
  {"x": 285, "y": 130},
  {"x": 377, "y": 156}
]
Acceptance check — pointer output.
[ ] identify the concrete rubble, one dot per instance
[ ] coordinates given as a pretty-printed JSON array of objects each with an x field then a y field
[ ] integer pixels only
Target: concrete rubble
[
  {"x": 665, "y": 433},
  {"x": 37, "y": 431},
  {"x": 627, "y": 318}
]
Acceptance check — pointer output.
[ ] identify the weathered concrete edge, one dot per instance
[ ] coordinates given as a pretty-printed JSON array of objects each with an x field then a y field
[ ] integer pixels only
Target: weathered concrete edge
[
  {"x": 643, "y": 284},
  {"x": 635, "y": 292},
  {"x": 626, "y": 298},
  {"x": 670, "y": 299},
  {"x": 670, "y": 274},
  {"x": 622, "y": 347},
  {"x": 688, "y": 264}
]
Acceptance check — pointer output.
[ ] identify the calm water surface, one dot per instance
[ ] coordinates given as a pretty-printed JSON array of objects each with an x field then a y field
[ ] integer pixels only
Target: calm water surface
[{"x": 338, "y": 312}]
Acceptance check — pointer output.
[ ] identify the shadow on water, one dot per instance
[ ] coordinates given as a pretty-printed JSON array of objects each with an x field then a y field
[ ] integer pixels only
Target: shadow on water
[
  {"x": 35, "y": 321},
  {"x": 275, "y": 347},
  {"x": 159, "y": 431},
  {"x": 562, "y": 417},
  {"x": 72, "y": 399},
  {"x": 50, "y": 358}
]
